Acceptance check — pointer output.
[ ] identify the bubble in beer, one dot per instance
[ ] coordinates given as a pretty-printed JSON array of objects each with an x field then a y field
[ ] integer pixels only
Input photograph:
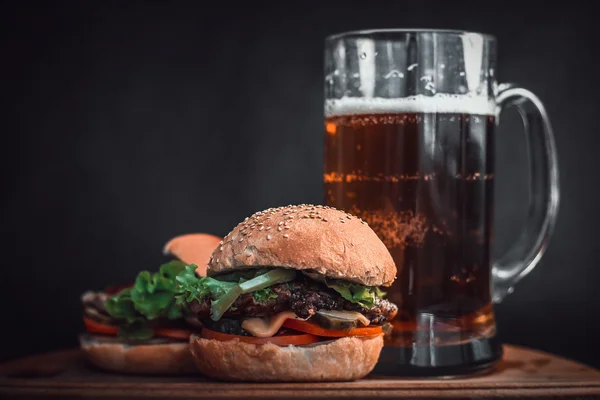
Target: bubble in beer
[
  {"x": 394, "y": 74},
  {"x": 363, "y": 55}
]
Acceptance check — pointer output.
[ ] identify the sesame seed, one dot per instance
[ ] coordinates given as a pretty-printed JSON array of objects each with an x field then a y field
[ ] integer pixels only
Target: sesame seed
[
  {"x": 221, "y": 248},
  {"x": 281, "y": 223},
  {"x": 291, "y": 217},
  {"x": 261, "y": 228},
  {"x": 221, "y": 243},
  {"x": 342, "y": 221},
  {"x": 324, "y": 219},
  {"x": 246, "y": 219},
  {"x": 268, "y": 237},
  {"x": 260, "y": 223},
  {"x": 286, "y": 223},
  {"x": 286, "y": 235},
  {"x": 312, "y": 216},
  {"x": 349, "y": 217},
  {"x": 287, "y": 227},
  {"x": 241, "y": 239},
  {"x": 279, "y": 228},
  {"x": 250, "y": 234},
  {"x": 267, "y": 228}
]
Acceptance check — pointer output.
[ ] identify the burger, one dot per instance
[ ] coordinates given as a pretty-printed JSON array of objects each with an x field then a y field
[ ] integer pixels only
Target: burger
[
  {"x": 141, "y": 328},
  {"x": 291, "y": 294}
]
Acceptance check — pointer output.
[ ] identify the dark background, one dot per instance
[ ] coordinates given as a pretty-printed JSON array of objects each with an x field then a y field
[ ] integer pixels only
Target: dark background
[{"x": 126, "y": 123}]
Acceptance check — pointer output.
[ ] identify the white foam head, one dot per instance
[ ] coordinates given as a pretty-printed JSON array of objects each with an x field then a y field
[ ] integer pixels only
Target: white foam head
[{"x": 439, "y": 103}]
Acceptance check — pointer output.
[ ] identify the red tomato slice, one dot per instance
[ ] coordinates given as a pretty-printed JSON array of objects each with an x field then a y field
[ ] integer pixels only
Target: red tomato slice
[
  {"x": 314, "y": 329},
  {"x": 183, "y": 334},
  {"x": 282, "y": 340},
  {"x": 97, "y": 327}
]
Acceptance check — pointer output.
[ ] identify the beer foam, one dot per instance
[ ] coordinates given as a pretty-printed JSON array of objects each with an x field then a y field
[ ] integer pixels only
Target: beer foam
[{"x": 439, "y": 103}]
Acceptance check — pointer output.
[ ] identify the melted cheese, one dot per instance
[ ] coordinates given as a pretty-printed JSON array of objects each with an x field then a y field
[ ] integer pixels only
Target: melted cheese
[{"x": 260, "y": 327}]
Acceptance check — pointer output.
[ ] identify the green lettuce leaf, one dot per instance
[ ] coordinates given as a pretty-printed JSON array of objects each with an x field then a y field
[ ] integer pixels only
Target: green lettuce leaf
[
  {"x": 193, "y": 288},
  {"x": 121, "y": 306},
  {"x": 264, "y": 295},
  {"x": 366, "y": 296},
  {"x": 152, "y": 296}
]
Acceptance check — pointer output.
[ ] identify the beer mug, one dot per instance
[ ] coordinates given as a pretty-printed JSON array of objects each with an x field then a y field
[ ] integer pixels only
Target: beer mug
[{"x": 410, "y": 117}]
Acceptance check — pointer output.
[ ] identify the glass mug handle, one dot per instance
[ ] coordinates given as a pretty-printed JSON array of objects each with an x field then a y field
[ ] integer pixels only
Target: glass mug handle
[{"x": 525, "y": 253}]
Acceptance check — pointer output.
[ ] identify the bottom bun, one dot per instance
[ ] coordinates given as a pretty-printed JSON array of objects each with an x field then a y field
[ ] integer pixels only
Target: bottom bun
[
  {"x": 343, "y": 359},
  {"x": 154, "y": 358}
]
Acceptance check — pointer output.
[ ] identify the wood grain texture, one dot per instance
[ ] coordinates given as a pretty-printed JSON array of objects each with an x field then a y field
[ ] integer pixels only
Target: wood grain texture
[{"x": 523, "y": 373}]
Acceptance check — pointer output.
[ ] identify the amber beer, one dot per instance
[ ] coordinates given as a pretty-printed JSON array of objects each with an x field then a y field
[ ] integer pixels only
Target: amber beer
[
  {"x": 410, "y": 116},
  {"x": 423, "y": 180}
]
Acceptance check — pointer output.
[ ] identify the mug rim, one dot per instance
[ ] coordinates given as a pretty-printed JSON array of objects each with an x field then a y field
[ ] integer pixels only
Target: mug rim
[{"x": 376, "y": 31}]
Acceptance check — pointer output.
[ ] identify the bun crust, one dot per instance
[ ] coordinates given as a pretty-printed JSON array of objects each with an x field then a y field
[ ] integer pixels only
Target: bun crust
[
  {"x": 344, "y": 359},
  {"x": 306, "y": 237},
  {"x": 151, "y": 359}
]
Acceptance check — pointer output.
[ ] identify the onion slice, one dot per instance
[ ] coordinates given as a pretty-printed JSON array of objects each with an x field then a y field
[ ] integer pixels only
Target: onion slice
[{"x": 345, "y": 315}]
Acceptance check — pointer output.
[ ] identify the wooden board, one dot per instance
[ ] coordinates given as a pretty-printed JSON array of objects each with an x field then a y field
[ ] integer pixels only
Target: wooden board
[{"x": 523, "y": 373}]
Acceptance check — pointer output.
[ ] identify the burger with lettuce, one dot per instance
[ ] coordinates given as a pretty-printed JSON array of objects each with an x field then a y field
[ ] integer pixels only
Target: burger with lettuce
[
  {"x": 141, "y": 328},
  {"x": 293, "y": 294}
]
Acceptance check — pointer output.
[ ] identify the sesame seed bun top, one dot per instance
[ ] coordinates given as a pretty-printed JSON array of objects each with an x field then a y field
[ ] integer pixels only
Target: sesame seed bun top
[{"x": 311, "y": 238}]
